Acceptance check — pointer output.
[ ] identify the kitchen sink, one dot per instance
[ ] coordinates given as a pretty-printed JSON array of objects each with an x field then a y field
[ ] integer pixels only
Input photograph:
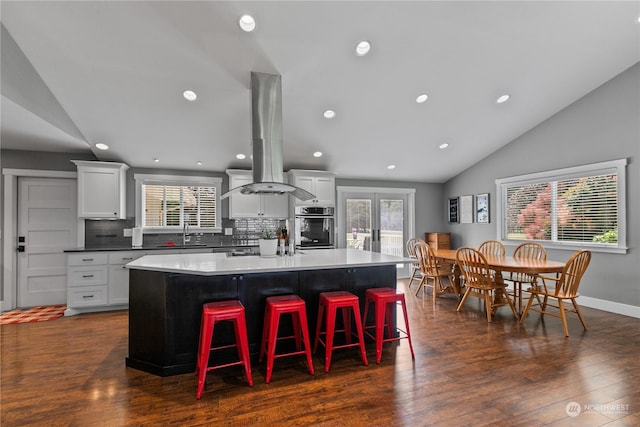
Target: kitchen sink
[{"x": 241, "y": 253}]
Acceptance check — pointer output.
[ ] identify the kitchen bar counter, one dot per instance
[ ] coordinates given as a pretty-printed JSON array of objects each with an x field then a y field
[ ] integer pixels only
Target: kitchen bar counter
[
  {"x": 166, "y": 294},
  {"x": 221, "y": 264}
]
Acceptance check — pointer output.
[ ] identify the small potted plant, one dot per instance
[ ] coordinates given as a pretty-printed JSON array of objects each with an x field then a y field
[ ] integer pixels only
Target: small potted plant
[{"x": 268, "y": 242}]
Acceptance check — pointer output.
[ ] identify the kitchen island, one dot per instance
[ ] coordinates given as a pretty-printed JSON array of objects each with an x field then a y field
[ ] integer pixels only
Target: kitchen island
[{"x": 166, "y": 294}]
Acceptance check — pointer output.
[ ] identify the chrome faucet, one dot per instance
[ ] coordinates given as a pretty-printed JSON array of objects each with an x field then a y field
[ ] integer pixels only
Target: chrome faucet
[{"x": 186, "y": 237}]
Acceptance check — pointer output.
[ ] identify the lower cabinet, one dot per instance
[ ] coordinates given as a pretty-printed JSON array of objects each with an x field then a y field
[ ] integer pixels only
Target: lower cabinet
[
  {"x": 119, "y": 276},
  {"x": 98, "y": 281},
  {"x": 87, "y": 281}
]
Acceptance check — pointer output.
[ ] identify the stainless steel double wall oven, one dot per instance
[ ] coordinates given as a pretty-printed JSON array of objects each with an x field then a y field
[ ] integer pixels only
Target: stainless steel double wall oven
[{"x": 314, "y": 227}]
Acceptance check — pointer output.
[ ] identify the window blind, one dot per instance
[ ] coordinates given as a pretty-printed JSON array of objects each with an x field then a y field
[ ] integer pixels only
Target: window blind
[{"x": 579, "y": 206}]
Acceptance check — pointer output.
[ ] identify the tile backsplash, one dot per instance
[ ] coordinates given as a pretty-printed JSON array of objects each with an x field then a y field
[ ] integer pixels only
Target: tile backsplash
[{"x": 110, "y": 233}]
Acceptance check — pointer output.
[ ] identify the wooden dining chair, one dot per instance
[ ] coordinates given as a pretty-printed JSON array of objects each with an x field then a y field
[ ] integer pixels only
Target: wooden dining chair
[
  {"x": 411, "y": 252},
  {"x": 566, "y": 288},
  {"x": 492, "y": 247},
  {"x": 433, "y": 270},
  {"x": 529, "y": 251},
  {"x": 480, "y": 282}
]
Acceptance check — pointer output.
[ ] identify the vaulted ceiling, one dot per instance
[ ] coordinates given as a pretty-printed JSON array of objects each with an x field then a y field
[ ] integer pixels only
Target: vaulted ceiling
[{"x": 78, "y": 73}]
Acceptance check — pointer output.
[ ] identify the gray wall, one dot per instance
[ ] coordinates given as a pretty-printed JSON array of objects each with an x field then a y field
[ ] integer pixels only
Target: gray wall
[
  {"x": 603, "y": 125},
  {"x": 40, "y": 160}
]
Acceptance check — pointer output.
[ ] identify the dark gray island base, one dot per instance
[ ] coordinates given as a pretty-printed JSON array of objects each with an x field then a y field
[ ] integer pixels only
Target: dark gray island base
[{"x": 165, "y": 308}]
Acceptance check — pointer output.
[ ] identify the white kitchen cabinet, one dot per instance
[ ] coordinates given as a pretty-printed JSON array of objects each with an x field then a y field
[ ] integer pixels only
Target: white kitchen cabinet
[
  {"x": 254, "y": 205},
  {"x": 119, "y": 275},
  {"x": 101, "y": 189},
  {"x": 319, "y": 183},
  {"x": 87, "y": 281},
  {"x": 98, "y": 281}
]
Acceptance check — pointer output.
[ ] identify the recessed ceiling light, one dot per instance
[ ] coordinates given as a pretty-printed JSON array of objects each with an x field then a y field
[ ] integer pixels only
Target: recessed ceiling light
[
  {"x": 156, "y": 160},
  {"x": 391, "y": 167},
  {"x": 422, "y": 98},
  {"x": 101, "y": 146},
  {"x": 363, "y": 48},
  {"x": 329, "y": 114},
  {"x": 199, "y": 163},
  {"x": 240, "y": 156},
  {"x": 503, "y": 98},
  {"x": 247, "y": 23},
  {"x": 443, "y": 146},
  {"x": 317, "y": 154},
  {"x": 189, "y": 95}
]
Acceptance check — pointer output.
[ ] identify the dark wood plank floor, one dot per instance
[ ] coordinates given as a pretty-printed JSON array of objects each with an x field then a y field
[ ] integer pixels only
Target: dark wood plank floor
[{"x": 71, "y": 371}]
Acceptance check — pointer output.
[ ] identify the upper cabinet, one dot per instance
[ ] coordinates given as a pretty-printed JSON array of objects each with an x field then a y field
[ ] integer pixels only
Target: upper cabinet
[
  {"x": 319, "y": 183},
  {"x": 101, "y": 189},
  {"x": 254, "y": 205}
]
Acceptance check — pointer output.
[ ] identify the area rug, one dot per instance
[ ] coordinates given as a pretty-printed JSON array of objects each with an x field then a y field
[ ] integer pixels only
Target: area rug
[{"x": 33, "y": 314}]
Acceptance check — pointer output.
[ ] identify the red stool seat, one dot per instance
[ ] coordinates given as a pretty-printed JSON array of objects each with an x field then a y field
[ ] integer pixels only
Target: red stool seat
[
  {"x": 348, "y": 303},
  {"x": 384, "y": 300},
  {"x": 275, "y": 307},
  {"x": 212, "y": 313}
]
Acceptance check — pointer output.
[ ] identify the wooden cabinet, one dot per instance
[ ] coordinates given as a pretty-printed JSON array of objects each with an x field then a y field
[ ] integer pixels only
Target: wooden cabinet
[
  {"x": 438, "y": 240},
  {"x": 254, "y": 205},
  {"x": 101, "y": 189},
  {"x": 321, "y": 184}
]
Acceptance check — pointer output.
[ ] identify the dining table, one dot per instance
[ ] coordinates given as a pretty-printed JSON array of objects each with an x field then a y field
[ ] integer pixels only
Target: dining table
[{"x": 502, "y": 264}]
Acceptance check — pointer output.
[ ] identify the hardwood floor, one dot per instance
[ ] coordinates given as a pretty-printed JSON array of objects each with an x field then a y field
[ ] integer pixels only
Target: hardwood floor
[{"x": 71, "y": 371}]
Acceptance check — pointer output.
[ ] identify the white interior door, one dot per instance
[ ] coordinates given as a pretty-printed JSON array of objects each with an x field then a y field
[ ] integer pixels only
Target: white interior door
[{"x": 47, "y": 225}]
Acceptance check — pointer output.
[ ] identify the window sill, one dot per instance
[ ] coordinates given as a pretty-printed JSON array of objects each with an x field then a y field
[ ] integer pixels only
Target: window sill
[{"x": 573, "y": 247}]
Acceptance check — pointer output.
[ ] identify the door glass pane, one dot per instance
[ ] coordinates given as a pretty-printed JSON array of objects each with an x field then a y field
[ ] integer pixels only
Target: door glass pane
[
  {"x": 358, "y": 224},
  {"x": 391, "y": 227}
]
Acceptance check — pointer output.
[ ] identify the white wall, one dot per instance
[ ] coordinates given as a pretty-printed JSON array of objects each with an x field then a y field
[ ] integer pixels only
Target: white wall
[{"x": 603, "y": 125}]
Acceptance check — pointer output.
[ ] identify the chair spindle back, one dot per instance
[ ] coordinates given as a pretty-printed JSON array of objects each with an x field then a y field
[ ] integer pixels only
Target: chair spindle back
[
  {"x": 411, "y": 246},
  {"x": 572, "y": 274},
  {"x": 530, "y": 250},
  {"x": 474, "y": 267},
  {"x": 492, "y": 248}
]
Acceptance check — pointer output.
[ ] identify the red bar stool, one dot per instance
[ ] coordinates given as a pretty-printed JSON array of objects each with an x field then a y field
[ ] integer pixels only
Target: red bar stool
[
  {"x": 276, "y": 306},
  {"x": 384, "y": 300},
  {"x": 348, "y": 303},
  {"x": 213, "y": 312}
]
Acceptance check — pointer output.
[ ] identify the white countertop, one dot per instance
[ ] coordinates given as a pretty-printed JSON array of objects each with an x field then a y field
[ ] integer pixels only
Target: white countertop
[{"x": 209, "y": 264}]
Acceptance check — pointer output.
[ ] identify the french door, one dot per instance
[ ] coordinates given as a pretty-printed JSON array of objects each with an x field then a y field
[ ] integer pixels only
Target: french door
[{"x": 377, "y": 220}]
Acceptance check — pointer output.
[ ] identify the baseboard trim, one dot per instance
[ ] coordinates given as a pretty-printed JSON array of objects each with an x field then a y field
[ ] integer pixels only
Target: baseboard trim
[{"x": 610, "y": 306}]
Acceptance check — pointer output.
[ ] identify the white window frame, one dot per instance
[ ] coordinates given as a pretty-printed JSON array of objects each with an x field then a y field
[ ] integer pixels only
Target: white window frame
[
  {"x": 181, "y": 180},
  {"x": 614, "y": 166}
]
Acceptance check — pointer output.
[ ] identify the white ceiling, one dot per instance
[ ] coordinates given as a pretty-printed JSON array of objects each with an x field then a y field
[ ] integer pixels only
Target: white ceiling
[{"x": 118, "y": 70}]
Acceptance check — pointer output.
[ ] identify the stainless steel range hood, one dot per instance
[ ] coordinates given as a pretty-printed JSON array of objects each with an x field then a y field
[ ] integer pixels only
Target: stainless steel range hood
[{"x": 266, "y": 124}]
